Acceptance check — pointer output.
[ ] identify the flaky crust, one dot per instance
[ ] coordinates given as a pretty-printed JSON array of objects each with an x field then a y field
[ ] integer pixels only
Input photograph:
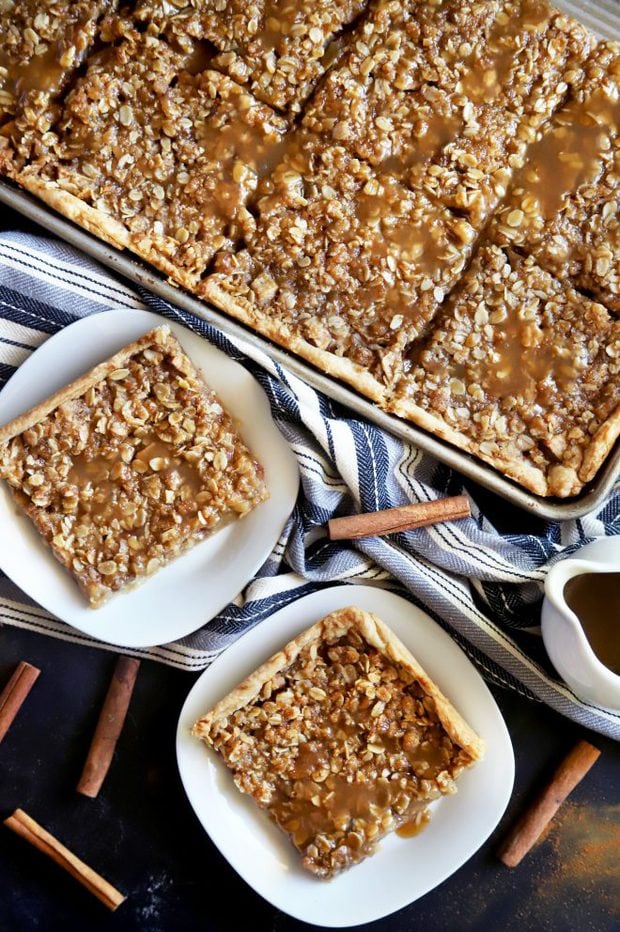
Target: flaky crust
[
  {"x": 161, "y": 336},
  {"x": 375, "y": 633},
  {"x": 560, "y": 481},
  {"x": 91, "y": 219},
  {"x": 100, "y": 224},
  {"x": 517, "y": 468},
  {"x": 214, "y": 289},
  {"x": 602, "y": 442}
]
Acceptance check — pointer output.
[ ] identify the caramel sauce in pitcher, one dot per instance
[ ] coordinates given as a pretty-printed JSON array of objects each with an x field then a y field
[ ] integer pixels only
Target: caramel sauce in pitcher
[{"x": 595, "y": 600}]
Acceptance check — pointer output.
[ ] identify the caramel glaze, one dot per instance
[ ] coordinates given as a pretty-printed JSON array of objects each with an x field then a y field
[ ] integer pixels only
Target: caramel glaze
[{"x": 415, "y": 824}]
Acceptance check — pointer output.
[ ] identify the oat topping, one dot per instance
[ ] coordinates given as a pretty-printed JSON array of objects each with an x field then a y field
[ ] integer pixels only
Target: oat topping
[
  {"x": 130, "y": 469},
  {"x": 40, "y": 44},
  {"x": 447, "y": 97},
  {"x": 341, "y": 738},
  {"x": 354, "y": 262},
  {"x": 521, "y": 367},
  {"x": 277, "y": 48},
  {"x": 172, "y": 156},
  {"x": 564, "y": 207}
]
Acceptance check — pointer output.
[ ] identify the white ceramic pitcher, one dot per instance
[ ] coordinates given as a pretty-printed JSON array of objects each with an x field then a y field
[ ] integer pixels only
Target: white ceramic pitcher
[{"x": 564, "y": 637}]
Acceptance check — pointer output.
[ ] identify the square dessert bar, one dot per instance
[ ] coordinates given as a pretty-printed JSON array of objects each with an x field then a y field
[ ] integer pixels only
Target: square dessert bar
[
  {"x": 447, "y": 96},
  {"x": 564, "y": 207},
  {"x": 344, "y": 266},
  {"x": 129, "y": 466},
  {"x": 152, "y": 157},
  {"x": 277, "y": 48},
  {"x": 521, "y": 370},
  {"x": 341, "y": 737}
]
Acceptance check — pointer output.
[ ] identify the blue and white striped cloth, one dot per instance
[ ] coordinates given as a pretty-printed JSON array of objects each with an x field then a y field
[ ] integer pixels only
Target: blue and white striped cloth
[{"x": 484, "y": 586}]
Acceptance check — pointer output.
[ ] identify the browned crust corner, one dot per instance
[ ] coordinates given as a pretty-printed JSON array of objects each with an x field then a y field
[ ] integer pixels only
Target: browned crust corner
[
  {"x": 215, "y": 289},
  {"x": 600, "y": 445},
  {"x": 378, "y": 635},
  {"x": 523, "y": 472},
  {"x": 91, "y": 219},
  {"x": 102, "y": 225},
  {"x": 160, "y": 336}
]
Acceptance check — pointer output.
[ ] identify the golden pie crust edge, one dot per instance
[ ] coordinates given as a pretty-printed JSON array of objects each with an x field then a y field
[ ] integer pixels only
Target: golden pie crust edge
[
  {"x": 375, "y": 633},
  {"x": 338, "y": 366},
  {"x": 93, "y": 220},
  {"x": 99, "y": 223},
  {"x": 560, "y": 480}
]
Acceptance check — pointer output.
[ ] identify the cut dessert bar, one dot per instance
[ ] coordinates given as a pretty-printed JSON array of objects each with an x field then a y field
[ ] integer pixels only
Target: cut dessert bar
[
  {"x": 155, "y": 158},
  {"x": 521, "y": 370},
  {"x": 447, "y": 96},
  {"x": 344, "y": 266},
  {"x": 341, "y": 737},
  {"x": 40, "y": 44},
  {"x": 129, "y": 466},
  {"x": 276, "y": 47},
  {"x": 564, "y": 207}
]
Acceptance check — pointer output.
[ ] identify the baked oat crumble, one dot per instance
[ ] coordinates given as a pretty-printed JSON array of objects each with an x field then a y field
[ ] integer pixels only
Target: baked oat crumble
[
  {"x": 129, "y": 466},
  {"x": 167, "y": 159},
  {"x": 447, "y": 96},
  {"x": 277, "y": 48},
  {"x": 521, "y": 370},
  {"x": 352, "y": 262},
  {"x": 341, "y": 737},
  {"x": 41, "y": 42},
  {"x": 564, "y": 207}
]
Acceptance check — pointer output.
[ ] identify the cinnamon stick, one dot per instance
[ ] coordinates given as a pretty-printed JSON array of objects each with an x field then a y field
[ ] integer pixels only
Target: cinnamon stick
[
  {"x": 109, "y": 726},
  {"x": 393, "y": 520},
  {"x": 31, "y": 831},
  {"x": 530, "y": 826},
  {"x": 14, "y": 694}
]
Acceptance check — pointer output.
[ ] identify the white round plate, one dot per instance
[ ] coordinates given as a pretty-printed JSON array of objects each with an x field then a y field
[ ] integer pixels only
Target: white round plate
[
  {"x": 188, "y": 592},
  {"x": 403, "y": 869}
]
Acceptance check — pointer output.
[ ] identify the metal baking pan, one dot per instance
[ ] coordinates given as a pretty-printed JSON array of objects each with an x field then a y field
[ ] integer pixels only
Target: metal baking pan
[
  {"x": 602, "y": 17},
  {"x": 132, "y": 268}
]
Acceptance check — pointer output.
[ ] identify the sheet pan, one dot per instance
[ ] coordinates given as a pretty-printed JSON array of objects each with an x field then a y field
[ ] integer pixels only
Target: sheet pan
[{"x": 132, "y": 268}]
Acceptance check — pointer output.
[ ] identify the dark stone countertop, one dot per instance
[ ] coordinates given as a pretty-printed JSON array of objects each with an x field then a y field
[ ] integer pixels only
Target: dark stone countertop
[{"x": 142, "y": 835}]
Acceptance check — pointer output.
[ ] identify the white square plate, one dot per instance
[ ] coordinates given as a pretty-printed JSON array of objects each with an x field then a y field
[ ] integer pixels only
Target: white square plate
[
  {"x": 187, "y": 593},
  {"x": 403, "y": 869}
]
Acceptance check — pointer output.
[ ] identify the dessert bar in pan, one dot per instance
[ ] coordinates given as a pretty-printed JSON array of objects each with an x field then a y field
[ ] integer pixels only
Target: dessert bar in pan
[
  {"x": 41, "y": 44},
  {"x": 129, "y": 466},
  {"x": 521, "y": 370},
  {"x": 341, "y": 737},
  {"x": 334, "y": 175},
  {"x": 276, "y": 48},
  {"x": 151, "y": 157}
]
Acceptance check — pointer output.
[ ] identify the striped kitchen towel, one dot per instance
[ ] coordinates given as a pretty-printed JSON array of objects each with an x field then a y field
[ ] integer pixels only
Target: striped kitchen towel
[{"x": 482, "y": 585}]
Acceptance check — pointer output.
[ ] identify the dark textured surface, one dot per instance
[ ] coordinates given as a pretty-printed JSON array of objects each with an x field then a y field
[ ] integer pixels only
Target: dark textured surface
[{"x": 142, "y": 835}]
